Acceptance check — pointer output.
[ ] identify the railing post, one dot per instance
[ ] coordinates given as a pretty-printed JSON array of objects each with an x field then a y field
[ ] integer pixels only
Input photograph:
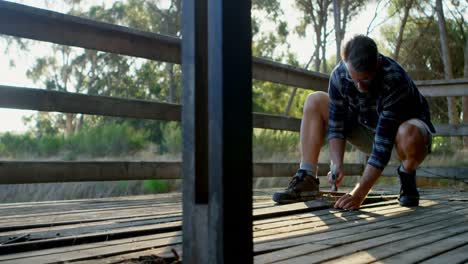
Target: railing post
[
  {"x": 217, "y": 67},
  {"x": 230, "y": 131},
  {"x": 194, "y": 131}
]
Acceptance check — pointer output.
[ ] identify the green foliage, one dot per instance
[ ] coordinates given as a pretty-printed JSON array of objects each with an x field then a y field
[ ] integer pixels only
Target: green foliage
[
  {"x": 109, "y": 139},
  {"x": 423, "y": 61},
  {"x": 442, "y": 146},
  {"x": 155, "y": 186},
  {"x": 270, "y": 143},
  {"x": 172, "y": 138}
]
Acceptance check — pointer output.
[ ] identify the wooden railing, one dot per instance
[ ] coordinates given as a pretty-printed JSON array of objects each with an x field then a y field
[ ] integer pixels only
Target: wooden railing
[{"x": 43, "y": 25}]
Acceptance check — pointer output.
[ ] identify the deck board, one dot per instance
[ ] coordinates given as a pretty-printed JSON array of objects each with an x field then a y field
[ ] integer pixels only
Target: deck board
[{"x": 111, "y": 230}]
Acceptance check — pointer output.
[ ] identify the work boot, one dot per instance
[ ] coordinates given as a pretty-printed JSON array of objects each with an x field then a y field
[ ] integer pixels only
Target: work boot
[
  {"x": 302, "y": 187},
  {"x": 409, "y": 195}
]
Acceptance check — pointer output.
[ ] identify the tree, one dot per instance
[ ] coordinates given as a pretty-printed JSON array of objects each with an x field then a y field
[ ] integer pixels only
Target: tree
[
  {"x": 448, "y": 72},
  {"x": 421, "y": 60},
  {"x": 343, "y": 12},
  {"x": 315, "y": 13},
  {"x": 406, "y": 9}
]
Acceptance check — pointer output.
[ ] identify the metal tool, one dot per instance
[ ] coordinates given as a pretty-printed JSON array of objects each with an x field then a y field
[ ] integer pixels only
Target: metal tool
[{"x": 334, "y": 188}]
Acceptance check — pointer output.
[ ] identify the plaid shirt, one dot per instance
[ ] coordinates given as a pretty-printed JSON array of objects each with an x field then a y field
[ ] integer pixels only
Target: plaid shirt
[{"x": 392, "y": 99}]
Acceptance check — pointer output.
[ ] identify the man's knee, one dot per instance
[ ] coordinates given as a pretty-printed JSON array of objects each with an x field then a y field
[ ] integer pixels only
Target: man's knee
[
  {"x": 317, "y": 102},
  {"x": 410, "y": 138}
]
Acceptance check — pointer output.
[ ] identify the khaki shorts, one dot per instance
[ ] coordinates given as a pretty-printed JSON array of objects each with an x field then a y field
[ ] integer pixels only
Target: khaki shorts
[{"x": 363, "y": 138}]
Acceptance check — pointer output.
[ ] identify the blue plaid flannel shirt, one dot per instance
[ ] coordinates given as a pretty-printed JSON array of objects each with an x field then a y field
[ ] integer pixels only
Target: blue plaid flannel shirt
[{"x": 392, "y": 99}]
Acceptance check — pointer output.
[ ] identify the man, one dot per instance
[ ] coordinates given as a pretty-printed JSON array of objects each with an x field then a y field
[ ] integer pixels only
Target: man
[{"x": 373, "y": 104}]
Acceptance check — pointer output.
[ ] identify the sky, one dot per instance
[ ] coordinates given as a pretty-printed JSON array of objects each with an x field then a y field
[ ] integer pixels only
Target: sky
[{"x": 12, "y": 119}]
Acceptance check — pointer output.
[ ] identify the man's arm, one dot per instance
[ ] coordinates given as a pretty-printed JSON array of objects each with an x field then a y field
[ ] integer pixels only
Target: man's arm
[{"x": 354, "y": 199}]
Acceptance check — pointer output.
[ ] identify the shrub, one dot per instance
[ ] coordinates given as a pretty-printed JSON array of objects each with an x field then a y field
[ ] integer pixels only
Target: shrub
[{"x": 155, "y": 186}]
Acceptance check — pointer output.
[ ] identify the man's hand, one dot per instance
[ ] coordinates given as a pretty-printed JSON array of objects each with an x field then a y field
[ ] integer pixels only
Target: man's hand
[
  {"x": 349, "y": 202},
  {"x": 356, "y": 197},
  {"x": 339, "y": 175}
]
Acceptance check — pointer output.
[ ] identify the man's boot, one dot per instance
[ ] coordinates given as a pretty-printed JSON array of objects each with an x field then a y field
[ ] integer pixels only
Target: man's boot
[
  {"x": 302, "y": 187},
  {"x": 409, "y": 195}
]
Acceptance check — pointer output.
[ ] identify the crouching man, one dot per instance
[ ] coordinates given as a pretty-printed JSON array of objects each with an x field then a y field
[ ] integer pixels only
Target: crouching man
[{"x": 373, "y": 104}]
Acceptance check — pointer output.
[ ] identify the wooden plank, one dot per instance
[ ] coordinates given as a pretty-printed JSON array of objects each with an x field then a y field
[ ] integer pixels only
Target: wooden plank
[
  {"x": 20, "y": 172},
  {"x": 287, "y": 253},
  {"x": 457, "y": 255},
  {"x": 413, "y": 229},
  {"x": 103, "y": 249},
  {"x": 271, "y": 71},
  {"x": 229, "y": 133},
  {"x": 164, "y": 252},
  {"x": 85, "y": 238},
  {"x": 67, "y": 102},
  {"x": 294, "y": 238},
  {"x": 451, "y": 130},
  {"x": 110, "y": 243},
  {"x": 455, "y": 87},
  {"x": 405, "y": 245},
  {"x": 195, "y": 126},
  {"x": 430, "y": 250},
  {"x": 87, "y": 228},
  {"x": 39, "y": 24},
  {"x": 456, "y": 173},
  {"x": 55, "y": 101},
  {"x": 325, "y": 224},
  {"x": 34, "y": 23},
  {"x": 79, "y": 217},
  {"x": 321, "y": 223}
]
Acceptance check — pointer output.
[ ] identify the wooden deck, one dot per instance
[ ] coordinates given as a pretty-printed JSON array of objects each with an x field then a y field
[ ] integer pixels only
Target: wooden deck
[{"x": 121, "y": 230}]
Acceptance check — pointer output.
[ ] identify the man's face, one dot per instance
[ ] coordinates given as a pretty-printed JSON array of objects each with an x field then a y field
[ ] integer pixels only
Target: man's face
[{"x": 362, "y": 80}]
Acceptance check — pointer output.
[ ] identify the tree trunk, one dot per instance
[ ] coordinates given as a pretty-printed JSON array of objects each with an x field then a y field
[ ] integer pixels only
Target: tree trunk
[
  {"x": 68, "y": 125},
  {"x": 170, "y": 94},
  {"x": 465, "y": 98},
  {"x": 452, "y": 111},
  {"x": 79, "y": 123},
  {"x": 408, "y": 5},
  {"x": 337, "y": 18}
]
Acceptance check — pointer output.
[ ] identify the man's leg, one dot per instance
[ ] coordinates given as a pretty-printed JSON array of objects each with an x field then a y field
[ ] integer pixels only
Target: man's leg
[
  {"x": 305, "y": 185},
  {"x": 314, "y": 127},
  {"x": 411, "y": 145}
]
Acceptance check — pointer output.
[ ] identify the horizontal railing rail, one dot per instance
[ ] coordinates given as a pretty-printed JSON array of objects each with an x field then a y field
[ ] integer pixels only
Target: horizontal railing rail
[
  {"x": 20, "y": 172},
  {"x": 24, "y": 172},
  {"x": 44, "y": 25},
  {"x": 55, "y": 101}
]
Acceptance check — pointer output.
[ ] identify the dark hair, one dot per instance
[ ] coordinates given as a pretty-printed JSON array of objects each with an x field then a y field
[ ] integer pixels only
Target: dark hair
[{"x": 361, "y": 52}]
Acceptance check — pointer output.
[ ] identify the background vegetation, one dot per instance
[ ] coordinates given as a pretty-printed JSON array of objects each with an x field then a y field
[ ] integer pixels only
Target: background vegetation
[{"x": 414, "y": 41}]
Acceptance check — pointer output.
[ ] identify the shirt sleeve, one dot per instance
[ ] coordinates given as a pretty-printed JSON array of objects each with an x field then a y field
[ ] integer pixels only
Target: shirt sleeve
[
  {"x": 393, "y": 101},
  {"x": 337, "y": 109}
]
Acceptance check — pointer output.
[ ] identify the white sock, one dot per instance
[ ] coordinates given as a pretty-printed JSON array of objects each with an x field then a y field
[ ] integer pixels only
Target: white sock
[{"x": 310, "y": 168}]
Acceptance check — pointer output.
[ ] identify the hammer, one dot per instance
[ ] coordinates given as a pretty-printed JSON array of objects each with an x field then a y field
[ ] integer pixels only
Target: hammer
[{"x": 334, "y": 188}]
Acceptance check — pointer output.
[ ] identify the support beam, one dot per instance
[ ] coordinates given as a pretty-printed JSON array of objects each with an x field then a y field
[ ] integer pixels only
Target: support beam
[
  {"x": 44, "y": 25},
  {"x": 455, "y": 173},
  {"x": 194, "y": 131},
  {"x": 438, "y": 88},
  {"x": 54, "y": 101},
  {"x": 230, "y": 235},
  {"x": 24, "y": 172}
]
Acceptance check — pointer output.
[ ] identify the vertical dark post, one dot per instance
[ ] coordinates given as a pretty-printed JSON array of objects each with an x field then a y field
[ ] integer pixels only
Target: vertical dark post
[
  {"x": 217, "y": 70},
  {"x": 230, "y": 131},
  {"x": 195, "y": 127}
]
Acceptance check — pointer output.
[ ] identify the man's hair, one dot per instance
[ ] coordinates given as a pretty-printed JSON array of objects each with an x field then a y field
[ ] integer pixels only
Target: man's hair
[{"x": 361, "y": 52}]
